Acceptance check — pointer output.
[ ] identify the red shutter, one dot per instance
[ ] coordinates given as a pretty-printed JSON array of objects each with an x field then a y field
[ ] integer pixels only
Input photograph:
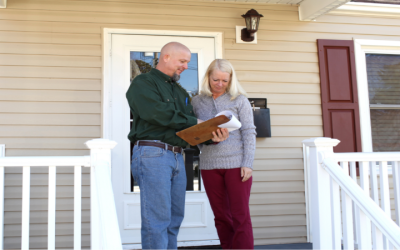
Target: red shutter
[{"x": 341, "y": 117}]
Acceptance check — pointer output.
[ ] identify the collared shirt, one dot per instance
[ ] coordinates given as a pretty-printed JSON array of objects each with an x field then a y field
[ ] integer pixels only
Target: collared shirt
[{"x": 160, "y": 108}]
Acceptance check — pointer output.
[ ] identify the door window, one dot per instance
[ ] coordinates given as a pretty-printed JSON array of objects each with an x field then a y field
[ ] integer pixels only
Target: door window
[{"x": 383, "y": 73}]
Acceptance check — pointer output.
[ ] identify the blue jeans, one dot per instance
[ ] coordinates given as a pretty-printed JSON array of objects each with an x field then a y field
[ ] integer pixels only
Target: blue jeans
[{"x": 161, "y": 176}]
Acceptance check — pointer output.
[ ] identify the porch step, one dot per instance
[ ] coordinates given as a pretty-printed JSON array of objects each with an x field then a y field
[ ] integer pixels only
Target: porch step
[{"x": 304, "y": 246}]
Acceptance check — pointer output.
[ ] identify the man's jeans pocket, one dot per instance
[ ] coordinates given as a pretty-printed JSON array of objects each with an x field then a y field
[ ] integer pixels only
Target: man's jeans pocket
[{"x": 149, "y": 151}]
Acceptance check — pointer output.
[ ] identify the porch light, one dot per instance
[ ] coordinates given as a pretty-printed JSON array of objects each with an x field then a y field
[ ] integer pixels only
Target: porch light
[{"x": 252, "y": 19}]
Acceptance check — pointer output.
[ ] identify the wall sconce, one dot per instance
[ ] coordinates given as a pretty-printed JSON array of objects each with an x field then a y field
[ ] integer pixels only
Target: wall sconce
[{"x": 252, "y": 18}]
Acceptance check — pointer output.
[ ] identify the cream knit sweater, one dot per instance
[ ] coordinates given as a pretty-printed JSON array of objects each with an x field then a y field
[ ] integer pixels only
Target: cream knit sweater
[{"x": 238, "y": 150}]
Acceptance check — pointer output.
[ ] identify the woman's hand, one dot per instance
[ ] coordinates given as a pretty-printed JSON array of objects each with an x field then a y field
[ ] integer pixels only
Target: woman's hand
[
  {"x": 221, "y": 135},
  {"x": 246, "y": 173}
]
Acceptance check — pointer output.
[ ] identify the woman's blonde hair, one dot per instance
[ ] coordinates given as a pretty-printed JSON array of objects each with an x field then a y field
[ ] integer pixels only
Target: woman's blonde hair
[{"x": 234, "y": 88}]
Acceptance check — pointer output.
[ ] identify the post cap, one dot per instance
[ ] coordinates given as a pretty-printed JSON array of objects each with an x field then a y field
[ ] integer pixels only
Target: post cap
[{"x": 321, "y": 142}]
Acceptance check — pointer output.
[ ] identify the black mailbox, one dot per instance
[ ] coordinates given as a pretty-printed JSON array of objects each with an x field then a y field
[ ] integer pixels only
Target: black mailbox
[{"x": 262, "y": 119}]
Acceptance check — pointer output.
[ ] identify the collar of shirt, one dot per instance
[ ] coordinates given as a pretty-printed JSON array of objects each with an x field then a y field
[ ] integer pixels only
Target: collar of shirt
[
  {"x": 161, "y": 75},
  {"x": 223, "y": 96}
]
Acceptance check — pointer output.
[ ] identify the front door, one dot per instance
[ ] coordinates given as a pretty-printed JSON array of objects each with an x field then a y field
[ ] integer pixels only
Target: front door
[{"x": 132, "y": 55}]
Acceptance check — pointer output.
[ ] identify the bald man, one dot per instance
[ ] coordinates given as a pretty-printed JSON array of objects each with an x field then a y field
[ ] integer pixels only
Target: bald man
[{"x": 160, "y": 108}]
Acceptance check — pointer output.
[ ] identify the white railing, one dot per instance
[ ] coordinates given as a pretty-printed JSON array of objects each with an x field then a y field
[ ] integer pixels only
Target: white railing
[
  {"x": 104, "y": 223},
  {"x": 343, "y": 211}
]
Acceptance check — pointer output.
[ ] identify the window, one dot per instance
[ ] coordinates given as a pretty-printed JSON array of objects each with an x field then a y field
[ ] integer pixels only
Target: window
[
  {"x": 378, "y": 82},
  {"x": 383, "y": 72}
]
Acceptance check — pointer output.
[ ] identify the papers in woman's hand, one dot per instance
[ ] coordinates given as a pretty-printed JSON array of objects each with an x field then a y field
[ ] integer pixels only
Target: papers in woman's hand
[{"x": 233, "y": 124}]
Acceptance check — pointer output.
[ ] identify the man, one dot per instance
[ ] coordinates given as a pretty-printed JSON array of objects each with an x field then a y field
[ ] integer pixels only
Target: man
[{"x": 160, "y": 108}]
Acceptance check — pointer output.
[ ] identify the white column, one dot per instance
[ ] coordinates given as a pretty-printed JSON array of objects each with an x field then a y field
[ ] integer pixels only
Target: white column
[
  {"x": 321, "y": 211},
  {"x": 100, "y": 156}
]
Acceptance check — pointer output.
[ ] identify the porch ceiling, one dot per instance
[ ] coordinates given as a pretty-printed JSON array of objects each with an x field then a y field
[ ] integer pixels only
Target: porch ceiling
[
  {"x": 292, "y": 2},
  {"x": 309, "y": 10}
]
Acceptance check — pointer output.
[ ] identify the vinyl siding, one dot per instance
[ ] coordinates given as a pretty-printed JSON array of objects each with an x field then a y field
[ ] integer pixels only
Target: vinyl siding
[{"x": 50, "y": 90}]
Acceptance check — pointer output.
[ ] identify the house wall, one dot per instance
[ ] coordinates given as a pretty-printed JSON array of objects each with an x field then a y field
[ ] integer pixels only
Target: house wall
[{"x": 51, "y": 88}]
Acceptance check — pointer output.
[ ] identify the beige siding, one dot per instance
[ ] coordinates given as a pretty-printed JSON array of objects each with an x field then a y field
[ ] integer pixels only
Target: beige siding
[{"x": 50, "y": 94}]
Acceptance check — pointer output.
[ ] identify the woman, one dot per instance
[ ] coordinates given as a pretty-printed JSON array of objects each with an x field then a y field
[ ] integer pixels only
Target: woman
[{"x": 226, "y": 167}]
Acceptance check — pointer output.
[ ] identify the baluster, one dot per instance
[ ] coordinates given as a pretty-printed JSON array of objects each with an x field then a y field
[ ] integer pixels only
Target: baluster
[
  {"x": 364, "y": 223},
  {"x": 377, "y": 237},
  {"x": 1, "y": 206},
  {"x": 51, "y": 224},
  {"x": 347, "y": 214},
  {"x": 2, "y": 154},
  {"x": 26, "y": 185},
  {"x": 356, "y": 210},
  {"x": 336, "y": 216},
  {"x": 396, "y": 187},
  {"x": 77, "y": 207},
  {"x": 385, "y": 197}
]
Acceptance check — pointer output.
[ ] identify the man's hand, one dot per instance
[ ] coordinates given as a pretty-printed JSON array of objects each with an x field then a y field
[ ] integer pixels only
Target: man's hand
[
  {"x": 245, "y": 173},
  {"x": 221, "y": 135}
]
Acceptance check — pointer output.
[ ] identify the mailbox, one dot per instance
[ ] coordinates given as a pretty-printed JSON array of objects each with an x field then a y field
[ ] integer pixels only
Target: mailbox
[{"x": 262, "y": 119}]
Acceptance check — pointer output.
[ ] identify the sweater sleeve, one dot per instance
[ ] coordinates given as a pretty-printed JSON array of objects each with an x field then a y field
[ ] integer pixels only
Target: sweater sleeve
[{"x": 248, "y": 131}]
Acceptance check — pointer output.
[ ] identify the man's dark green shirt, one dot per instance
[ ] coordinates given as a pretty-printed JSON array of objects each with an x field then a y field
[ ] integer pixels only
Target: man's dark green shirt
[{"x": 160, "y": 108}]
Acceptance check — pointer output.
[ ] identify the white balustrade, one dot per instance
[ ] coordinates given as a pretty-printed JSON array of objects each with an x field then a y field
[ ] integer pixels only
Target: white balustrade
[
  {"x": 365, "y": 221},
  {"x": 103, "y": 214}
]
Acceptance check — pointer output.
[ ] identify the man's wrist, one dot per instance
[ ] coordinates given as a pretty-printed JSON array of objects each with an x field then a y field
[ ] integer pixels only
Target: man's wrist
[{"x": 191, "y": 121}]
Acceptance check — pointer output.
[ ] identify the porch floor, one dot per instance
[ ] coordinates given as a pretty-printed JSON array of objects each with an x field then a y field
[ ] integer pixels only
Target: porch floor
[{"x": 278, "y": 246}]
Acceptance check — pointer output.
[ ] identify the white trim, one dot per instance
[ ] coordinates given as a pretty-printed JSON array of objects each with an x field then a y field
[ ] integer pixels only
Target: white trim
[
  {"x": 3, "y": 4},
  {"x": 107, "y": 33},
  {"x": 309, "y": 10},
  {"x": 361, "y": 48},
  {"x": 370, "y": 9}
]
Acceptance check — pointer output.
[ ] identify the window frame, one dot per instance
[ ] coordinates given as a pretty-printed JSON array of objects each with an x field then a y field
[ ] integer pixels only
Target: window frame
[{"x": 361, "y": 48}]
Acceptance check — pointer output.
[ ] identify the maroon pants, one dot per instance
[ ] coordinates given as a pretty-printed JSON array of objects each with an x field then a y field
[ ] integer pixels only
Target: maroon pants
[{"x": 229, "y": 199}]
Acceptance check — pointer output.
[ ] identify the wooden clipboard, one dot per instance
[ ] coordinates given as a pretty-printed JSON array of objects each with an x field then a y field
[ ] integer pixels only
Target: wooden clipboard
[{"x": 202, "y": 132}]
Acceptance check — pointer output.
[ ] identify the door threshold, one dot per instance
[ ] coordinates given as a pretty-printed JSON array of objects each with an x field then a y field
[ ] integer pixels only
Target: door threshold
[{"x": 180, "y": 244}]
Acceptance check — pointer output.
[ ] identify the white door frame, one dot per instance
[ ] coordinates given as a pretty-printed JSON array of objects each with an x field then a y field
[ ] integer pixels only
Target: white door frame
[{"x": 107, "y": 33}]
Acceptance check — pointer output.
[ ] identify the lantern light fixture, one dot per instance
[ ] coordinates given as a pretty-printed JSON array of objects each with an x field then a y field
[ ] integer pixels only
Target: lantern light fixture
[{"x": 252, "y": 18}]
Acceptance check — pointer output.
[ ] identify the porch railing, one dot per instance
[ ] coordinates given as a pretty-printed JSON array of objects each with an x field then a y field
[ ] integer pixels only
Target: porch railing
[
  {"x": 104, "y": 224},
  {"x": 343, "y": 211}
]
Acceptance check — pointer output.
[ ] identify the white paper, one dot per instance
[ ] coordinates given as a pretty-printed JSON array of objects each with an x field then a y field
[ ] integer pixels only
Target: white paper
[{"x": 233, "y": 124}]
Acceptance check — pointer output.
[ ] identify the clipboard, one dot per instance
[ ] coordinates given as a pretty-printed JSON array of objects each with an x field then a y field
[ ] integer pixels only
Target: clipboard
[{"x": 203, "y": 131}]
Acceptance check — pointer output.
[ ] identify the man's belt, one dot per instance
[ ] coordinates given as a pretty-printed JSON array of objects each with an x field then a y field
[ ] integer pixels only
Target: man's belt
[{"x": 160, "y": 145}]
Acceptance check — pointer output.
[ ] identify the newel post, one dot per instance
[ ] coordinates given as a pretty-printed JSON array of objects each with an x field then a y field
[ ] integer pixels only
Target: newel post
[
  {"x": 320, "y": 207},
  {"x": 100, "y": 151}
]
